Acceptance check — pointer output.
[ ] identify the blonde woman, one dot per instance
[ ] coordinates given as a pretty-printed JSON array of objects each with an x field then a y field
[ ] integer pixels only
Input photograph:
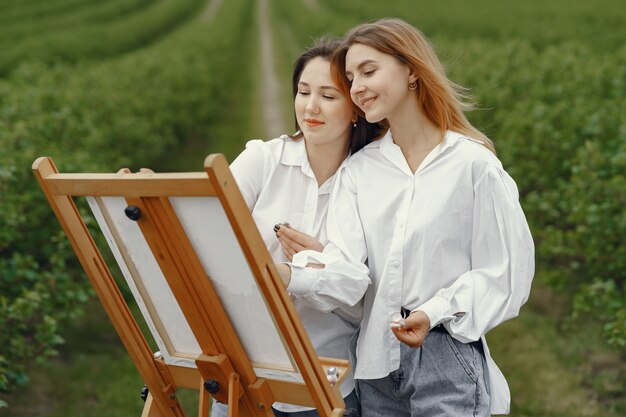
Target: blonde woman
[{"x": 428, "y": 215}]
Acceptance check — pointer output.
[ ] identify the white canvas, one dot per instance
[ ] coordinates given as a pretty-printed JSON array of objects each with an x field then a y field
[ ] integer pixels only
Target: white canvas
[{"x": 217, "y": 248}]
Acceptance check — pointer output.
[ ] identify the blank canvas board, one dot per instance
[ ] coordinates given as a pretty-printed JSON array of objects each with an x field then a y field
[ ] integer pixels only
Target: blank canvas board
[{"x": 218, "y": 249}]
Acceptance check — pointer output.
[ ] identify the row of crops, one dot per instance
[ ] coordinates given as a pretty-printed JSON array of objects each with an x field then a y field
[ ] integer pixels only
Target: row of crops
[
  {"x": 128, "y": 83},
  {"x": 97, "y": 86}
]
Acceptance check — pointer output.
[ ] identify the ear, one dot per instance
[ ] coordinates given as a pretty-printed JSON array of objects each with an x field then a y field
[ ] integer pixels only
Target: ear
[{"x": 355, "y": 117}]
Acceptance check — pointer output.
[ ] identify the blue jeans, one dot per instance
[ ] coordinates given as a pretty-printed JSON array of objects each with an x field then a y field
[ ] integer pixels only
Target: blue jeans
[
  {"x": 443, "y": 378},
  {"x": 352, "y": 409}
]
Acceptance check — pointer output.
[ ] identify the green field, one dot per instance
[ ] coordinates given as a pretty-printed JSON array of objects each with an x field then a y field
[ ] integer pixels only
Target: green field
[{"x": 135, "y": 83}]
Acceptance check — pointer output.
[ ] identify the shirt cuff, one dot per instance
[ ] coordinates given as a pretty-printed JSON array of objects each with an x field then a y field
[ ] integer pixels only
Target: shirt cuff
[
  {"x": 437, "y": 310},
  {"x": 302, "y": 280}
]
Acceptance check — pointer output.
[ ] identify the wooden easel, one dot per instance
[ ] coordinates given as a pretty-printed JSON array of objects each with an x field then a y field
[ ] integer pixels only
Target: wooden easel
[{"x": 223, "y": 368}]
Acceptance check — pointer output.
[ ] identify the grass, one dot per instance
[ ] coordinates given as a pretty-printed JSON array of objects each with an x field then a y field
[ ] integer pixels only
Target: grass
[
  {"x": 546, "y": 366},
  {"x": 92, "y": 376},
  {"x": 541, "y": 364}
]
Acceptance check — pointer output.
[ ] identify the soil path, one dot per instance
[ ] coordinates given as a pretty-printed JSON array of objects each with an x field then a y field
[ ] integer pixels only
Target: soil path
[
  {"x": 312, "y": 4},
  {"x": 270, "y": 89},
  {"x": 211, "y": 9}
]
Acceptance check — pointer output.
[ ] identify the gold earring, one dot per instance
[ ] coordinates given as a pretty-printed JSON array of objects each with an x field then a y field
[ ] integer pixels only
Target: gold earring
[{"x": 412, "y": 85}]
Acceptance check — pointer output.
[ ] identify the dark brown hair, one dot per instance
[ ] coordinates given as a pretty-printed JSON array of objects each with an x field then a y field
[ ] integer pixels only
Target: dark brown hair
[{"x": 364, "y": 132}]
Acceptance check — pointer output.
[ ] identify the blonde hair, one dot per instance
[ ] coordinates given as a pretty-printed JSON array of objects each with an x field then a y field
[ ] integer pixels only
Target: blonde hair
[{"x": 443, "y": 101}]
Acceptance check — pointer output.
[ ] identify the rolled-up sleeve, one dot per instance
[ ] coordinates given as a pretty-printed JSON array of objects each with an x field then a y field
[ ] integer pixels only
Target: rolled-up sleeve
[{"x": 502, "y": 258}]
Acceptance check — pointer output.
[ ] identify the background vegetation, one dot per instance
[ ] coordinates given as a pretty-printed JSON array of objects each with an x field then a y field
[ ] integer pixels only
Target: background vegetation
[
  {"x": 123, "y": 111},
  {"x": 102, "y": 85}
]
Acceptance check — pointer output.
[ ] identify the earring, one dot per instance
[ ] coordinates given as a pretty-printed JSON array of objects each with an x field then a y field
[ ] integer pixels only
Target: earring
[
  {"x": 412, "y": 85},
  {"x": 354, "y": 124}
]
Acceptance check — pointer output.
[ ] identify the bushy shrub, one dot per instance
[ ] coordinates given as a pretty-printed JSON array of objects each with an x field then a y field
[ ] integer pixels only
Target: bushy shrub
[
  {"x": 94, "y": 117},
  {"x": 92, "y": 30}
]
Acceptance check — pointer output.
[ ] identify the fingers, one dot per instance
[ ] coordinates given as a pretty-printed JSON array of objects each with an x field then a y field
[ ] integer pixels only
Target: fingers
[
  {"x": 411, "y": 337},
  {"x": 289, "y": 247},
  {"x": 291, "y": 244},
  {"x": 411, "y": 330},
  {"x": 279, "y": 225},
  {"x": 419, "y": 320},
  {"x": 296, "y": 240},
  {"x": 288, "y": 253},
  {"x": 397, "y": 322},
  {"x": 285, "y": 230}
]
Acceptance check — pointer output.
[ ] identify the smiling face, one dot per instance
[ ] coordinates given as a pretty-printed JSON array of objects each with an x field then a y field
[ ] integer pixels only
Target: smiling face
[
  {"x": 323, "y": 112},
  {"x": 379, "y": 82}
]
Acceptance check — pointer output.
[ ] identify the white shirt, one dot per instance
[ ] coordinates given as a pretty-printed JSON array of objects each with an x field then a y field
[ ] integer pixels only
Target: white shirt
[
  {"x": 278, "y": 186},
  {"x": 450, "y": 240}
]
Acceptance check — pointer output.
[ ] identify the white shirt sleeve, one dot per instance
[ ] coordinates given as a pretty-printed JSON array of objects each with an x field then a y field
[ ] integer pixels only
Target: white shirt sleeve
[
  {"x": 502, "y": 256},
  {"x": 250, "y": 170},
  {"x": 342, "y": 282}
]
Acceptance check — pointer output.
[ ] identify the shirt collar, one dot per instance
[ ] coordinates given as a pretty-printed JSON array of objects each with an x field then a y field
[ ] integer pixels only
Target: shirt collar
[
  {"x": 294, "y": 152},
  {"x": 449, "y": 140},
  {"x": 393, "y": 152}
]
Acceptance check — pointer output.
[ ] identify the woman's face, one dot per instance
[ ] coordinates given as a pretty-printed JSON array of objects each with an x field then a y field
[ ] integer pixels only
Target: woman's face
[
  {"x": 379, "y": 82},
  {"x": 323, "y": 112}
]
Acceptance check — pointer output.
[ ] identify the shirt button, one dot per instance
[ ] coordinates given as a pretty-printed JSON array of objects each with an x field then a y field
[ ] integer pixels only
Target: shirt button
[{"x": 395, "y": 264}]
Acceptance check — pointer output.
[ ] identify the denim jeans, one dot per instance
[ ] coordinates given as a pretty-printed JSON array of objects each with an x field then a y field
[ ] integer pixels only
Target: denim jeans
[
  {"x": 352, "y": 409},
  {"x": 444, "y": 377}
]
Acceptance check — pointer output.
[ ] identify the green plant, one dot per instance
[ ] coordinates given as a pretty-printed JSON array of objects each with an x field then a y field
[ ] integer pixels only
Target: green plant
[{"x": 93, "y": 117}]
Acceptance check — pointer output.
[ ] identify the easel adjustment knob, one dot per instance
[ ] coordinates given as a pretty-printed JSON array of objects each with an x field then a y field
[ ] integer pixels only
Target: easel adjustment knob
[
  {"x": 132, "y": 212},
  {"x": 211, "y": 386},
  {"x": 144, "y": 392}
]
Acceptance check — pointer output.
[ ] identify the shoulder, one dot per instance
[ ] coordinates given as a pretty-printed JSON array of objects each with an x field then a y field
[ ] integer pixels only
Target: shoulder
[
  {"x": 266, "y": 150},
  {"x": 481, "y": 166},
  {"x": 474, "y": 154},
  {"x": 474, "y": 149},
  {"x": 362, "y": 156},
  {"x": 487, "y": 171},
  {"x": 273, "y": 146},
  {"x": 258, "y": 156}
]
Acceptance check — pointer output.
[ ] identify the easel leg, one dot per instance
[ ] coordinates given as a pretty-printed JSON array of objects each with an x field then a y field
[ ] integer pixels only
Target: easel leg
[
  {"x": 150, "y": 409},
  {"x": 233, "y": 395},
  {"x": 204, "y": 402}
]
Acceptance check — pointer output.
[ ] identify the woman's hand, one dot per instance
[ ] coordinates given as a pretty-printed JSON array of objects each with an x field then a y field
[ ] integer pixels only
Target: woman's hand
[
  {"x": 293, "y": 241},
  {"x": 412, "y": 330}
]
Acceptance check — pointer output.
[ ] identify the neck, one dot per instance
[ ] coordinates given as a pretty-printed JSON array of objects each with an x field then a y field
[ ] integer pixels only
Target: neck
[
  {"x": 414, "y": 133},
  {"x": 412, "y": 129},
  {"x": 325, "y": 160}
]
